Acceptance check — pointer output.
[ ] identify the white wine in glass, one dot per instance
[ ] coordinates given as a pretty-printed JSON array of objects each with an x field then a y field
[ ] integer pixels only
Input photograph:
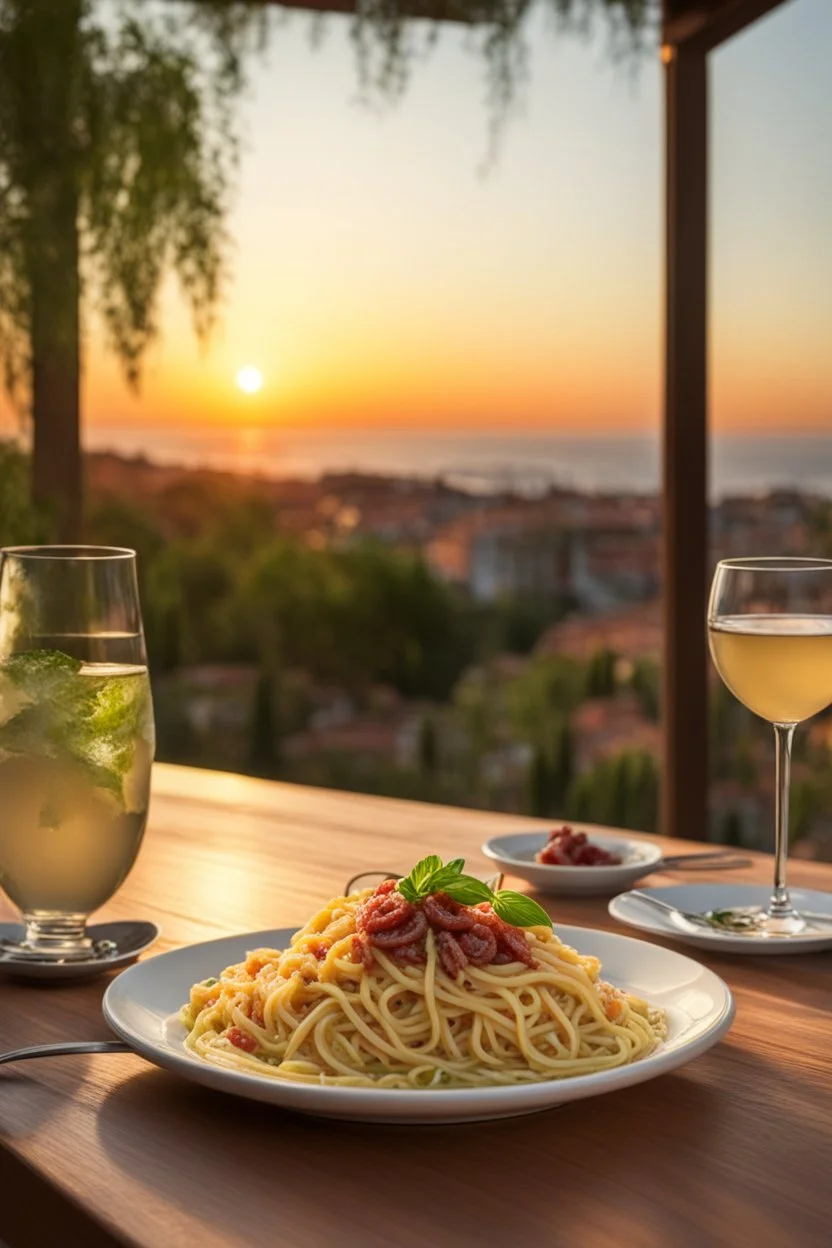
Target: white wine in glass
[{"x": 770, "y": 632}]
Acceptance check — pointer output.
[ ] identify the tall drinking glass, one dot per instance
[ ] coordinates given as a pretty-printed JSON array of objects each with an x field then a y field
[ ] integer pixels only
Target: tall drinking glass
[
  {"x": 770, "y": 632},
  {"x": 76, "y": 738}
]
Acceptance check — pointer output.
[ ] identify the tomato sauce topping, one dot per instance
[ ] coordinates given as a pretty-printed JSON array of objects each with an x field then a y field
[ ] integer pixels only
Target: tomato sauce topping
[
  {"x": 241, "y": 1040},
  {"x": 465, "y": 935}
]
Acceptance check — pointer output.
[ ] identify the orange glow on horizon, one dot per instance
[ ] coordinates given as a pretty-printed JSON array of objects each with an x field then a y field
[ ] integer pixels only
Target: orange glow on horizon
[{"x": 396, "y": 289}]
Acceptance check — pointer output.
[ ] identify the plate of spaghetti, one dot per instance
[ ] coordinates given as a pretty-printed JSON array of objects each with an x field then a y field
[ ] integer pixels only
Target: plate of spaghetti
[{"x": 427, "y": 999}]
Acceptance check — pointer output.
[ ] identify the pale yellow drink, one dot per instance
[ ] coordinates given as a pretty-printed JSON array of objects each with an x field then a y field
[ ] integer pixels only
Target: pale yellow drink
[
  {"x": 779, "y": 666},
  {"x": 76, "y": 746}
]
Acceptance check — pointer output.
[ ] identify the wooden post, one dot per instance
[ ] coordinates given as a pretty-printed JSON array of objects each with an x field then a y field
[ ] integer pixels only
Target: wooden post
[{"x": 685, "y": 692}]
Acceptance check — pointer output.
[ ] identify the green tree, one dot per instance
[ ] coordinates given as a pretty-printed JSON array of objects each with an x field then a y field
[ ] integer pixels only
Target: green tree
[
  {"x": 600, "y": 674},
  {"x": 744, "y": 766},
  {"x": 616, "y": 800},
  {"x": 539, "y": 784},
  {"x": 550, "y": 774},
  {"x": 642, "y": 790},
  {"x": 804, "y": 804},
  {"x": 645, "y": 684},
  {"x": 731, "y": 830},
  {"x": 263, "y": 750},
  {"x": 176, "y": 740},
  {"x": 562, "y": 767},
  {"x": 517, "y": 623},
  {"x": 549, "y": 688},
  {"x": 114, "y": 521},
  {"x": 399, "y": 621},
  {"x": 117, "y": 153},
  {"x": 289, "y": 598},
  {"x": 622, "y": 791},
  {"x": 188, "y": 588},
  {"x": 428, "y": 746},
  {"x": 475, "y": 702},
  {"x": 21, "y": 522}
]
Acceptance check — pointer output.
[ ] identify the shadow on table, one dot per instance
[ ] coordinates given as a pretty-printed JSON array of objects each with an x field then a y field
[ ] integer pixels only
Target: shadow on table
[
  {"x": 33, "y": 1092},
  {"x": 28, "y": 1101},
  {"x": 231, "y": 1162}
]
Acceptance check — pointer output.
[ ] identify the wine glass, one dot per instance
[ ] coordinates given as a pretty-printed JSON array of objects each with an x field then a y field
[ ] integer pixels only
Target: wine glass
[
  {"x": 770, "y": 634},
  {"x": 76, "y": 740}
]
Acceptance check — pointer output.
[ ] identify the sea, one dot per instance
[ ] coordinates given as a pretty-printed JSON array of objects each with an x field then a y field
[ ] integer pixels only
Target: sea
[{"x": 529, "y": 463}]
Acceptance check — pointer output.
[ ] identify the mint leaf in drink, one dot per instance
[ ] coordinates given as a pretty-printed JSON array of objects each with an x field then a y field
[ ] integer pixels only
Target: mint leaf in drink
[
  {"x": 111, "y": 716},
  {"x": 51, "y": 708},
  {"x": 35, "y": 686},
  {"x": 34, "y": 670},
  {"x": 29, "y": 676},
  {"x": 519, "y": 909}
]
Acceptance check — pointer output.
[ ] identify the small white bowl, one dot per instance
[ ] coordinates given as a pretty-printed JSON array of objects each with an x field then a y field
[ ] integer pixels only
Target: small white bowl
[{"x": 516, "y": 855}]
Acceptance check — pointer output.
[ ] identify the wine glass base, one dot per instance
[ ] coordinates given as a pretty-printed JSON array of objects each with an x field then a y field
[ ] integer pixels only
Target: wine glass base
[
  {"x": 85, "y": 952},
  {"x": 755, "y": 922},
  {"x": 111, "y": 945},
  {"x": 788, "y": 924},
  {"x": 56, "y": 936}
]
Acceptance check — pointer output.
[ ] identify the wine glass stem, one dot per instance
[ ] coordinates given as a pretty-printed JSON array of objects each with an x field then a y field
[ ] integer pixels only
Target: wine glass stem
[
  {"x": 783, "y": 734},
  {"x": 56, "y": 935}
]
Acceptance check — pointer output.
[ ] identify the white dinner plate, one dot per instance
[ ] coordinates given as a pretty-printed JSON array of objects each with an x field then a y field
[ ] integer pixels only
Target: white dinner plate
[
  {"x": 142, "y": 1004},
  {"x": 516, "y": 855},
  {"x": 697, "y": 898}
]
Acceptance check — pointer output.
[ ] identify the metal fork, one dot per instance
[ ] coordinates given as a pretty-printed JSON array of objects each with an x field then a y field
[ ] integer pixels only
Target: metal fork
[{"x": 66, "y": 1047}]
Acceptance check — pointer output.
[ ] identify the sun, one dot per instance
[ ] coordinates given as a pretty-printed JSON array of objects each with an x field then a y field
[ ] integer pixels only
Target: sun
[{"x": 249, "y": 379}]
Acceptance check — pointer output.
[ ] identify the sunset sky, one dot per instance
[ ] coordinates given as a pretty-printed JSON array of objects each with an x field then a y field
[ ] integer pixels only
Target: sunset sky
[{"x": 381, "y": 280}]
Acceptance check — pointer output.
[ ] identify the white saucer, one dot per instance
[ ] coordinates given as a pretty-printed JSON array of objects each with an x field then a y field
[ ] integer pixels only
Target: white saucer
[
  {"x": 130, "y": 938},
  {"x": 700, "y": 897},
  {"x": 516, "y": 855},
  {"x": 142, "y": 1004}
]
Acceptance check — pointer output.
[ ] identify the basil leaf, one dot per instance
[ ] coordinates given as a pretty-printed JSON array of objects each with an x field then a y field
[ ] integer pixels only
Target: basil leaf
[
  {"x": 440, "y": 879},
  {"x": 421, "y": 873},
  {"x": 466, "y": 889},
  {"x": 407, "y": 890},
  {"x": 520, "y": 910},
  {"x": 455, "y": 865}
]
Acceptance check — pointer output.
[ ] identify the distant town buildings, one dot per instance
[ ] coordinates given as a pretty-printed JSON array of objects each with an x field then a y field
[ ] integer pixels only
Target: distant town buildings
[
  {"x": 596, "y": 553},
  {"x": 589, "y": 563},
  {"x": 634, "y": 632}
]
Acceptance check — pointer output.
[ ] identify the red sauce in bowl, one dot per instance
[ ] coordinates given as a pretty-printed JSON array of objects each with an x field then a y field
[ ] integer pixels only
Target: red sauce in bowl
[{"x": 566, "y": 848}]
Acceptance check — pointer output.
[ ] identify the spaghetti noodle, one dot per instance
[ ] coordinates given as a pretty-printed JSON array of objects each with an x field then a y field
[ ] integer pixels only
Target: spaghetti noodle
[{"x": 450, "y": 1006}]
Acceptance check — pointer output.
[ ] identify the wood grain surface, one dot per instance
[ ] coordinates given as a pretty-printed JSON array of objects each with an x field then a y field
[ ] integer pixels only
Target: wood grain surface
[{"x": 734, "y": 1149}]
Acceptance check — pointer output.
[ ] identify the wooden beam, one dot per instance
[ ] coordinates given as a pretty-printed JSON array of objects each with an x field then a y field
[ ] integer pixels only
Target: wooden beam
[
  {"x": 708, "y": 24},
  {"x": 685, "y": 559}
]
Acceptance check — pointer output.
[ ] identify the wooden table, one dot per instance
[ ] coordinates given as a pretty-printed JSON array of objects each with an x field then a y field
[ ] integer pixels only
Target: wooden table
[{"x": 734, "y": 1149}]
